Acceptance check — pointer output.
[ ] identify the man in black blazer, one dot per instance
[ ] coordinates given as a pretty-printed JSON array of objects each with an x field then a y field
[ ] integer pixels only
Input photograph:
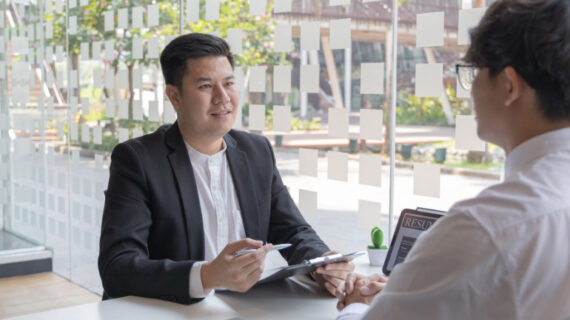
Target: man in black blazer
[{"x": 160, "y": 204}]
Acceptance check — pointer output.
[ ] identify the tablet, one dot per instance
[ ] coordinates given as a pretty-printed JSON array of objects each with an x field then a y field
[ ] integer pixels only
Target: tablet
[
  {"x": 410, "y": 225},
  {"x": 305, "y": 267}
]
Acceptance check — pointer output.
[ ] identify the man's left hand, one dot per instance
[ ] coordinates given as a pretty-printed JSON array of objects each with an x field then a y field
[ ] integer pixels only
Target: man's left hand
[{"x": 331, "y": 275}]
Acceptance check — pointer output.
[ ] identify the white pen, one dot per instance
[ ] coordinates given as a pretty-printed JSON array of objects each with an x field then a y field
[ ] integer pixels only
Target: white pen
[{"x": 275, "y": 247}]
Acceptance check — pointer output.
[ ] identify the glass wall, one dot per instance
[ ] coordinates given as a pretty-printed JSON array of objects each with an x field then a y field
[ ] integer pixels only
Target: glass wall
[{"x": 80, "y": 76}]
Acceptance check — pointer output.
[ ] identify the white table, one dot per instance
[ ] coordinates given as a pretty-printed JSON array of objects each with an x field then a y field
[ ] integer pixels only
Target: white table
[{"x": 296, "y": 298}]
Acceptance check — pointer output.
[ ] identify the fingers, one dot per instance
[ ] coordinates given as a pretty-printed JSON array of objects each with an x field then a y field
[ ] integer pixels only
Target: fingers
[
  {"x": 372, "y": 288},
  {"x": 246, "y": 243},
  {"x": 350, "y": 281},
  {"x": 254, "y": 258},
  {"x": 377, "y": 277},
  {"x": 340, "y": 305}
]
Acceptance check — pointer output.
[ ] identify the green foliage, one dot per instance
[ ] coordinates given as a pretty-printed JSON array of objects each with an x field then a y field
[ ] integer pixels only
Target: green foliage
[
  {"x": 377, "y": 237},
  {"x": 428, "y": 111}
]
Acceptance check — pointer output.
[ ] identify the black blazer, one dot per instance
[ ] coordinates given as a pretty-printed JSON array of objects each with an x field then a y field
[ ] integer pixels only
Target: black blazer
[{"x": 152, "y": 229}]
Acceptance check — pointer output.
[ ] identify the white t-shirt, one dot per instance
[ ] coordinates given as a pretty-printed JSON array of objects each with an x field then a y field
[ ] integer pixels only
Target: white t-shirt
[{"x": 502, "y": 255}]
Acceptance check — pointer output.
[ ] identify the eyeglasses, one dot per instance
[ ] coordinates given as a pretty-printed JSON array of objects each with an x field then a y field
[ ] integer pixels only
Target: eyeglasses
[{"x": 466, "y": 74}]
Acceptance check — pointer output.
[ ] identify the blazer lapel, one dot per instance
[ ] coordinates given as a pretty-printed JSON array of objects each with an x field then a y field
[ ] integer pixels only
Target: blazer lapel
[
  {"x": 243, "y": 184},
  {"x": 184, "y": 175}
]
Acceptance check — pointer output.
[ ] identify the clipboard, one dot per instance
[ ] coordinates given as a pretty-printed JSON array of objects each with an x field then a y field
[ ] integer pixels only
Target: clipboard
[{"x": 305, "y": 267}]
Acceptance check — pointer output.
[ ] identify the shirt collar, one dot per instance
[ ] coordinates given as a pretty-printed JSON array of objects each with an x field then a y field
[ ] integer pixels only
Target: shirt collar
[
  {"x": 536, "y": 147},
  {"x": 199, "y": 157}
]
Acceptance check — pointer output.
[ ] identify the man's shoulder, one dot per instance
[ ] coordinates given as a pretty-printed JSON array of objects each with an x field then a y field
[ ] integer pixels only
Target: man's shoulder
[{"x": 247, "y": 140}]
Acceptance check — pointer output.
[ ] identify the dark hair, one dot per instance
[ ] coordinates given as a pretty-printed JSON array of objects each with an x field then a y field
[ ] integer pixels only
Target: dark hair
[
  {"x": 190, "y": 46},
  {"x": 533, "y": 37}
]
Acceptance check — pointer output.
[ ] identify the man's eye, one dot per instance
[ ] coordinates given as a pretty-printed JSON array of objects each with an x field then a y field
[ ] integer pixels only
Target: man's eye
[
  {"x": 229, "y": 84},
  {"x": 205, "y": 86}
]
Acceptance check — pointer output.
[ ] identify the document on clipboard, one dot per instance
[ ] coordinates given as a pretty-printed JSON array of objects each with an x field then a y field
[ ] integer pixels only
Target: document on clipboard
[{"x": 305, "y": 267}]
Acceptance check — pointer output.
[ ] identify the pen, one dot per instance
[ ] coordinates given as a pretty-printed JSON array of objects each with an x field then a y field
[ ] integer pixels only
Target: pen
[{"x": 275, "y": 247}]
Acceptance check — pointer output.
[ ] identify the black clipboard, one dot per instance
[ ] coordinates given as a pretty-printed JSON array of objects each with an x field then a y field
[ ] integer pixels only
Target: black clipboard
[{"x": 305, "y": 267}]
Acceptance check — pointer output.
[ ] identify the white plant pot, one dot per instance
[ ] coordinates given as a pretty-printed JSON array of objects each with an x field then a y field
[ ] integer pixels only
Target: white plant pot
[{"x": 377, "y": 256}]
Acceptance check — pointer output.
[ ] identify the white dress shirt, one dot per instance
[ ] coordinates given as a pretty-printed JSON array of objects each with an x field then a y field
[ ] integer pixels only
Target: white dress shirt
[
  {"x": 221, "y": 216},
  {"x": 502, "y": 255}
]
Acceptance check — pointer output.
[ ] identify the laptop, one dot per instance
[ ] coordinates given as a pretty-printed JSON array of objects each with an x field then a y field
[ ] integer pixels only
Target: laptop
[{"x": 410, "y": 225}]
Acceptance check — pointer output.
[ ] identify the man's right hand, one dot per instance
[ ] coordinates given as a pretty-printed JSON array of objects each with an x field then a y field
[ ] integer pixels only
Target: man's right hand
[
  {"x": 235, "y": 273},
  {"x": 359, "y": 288}
]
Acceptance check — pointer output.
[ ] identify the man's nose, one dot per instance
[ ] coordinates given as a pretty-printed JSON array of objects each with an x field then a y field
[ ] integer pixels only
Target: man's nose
[{"x": 220, "y": 95}]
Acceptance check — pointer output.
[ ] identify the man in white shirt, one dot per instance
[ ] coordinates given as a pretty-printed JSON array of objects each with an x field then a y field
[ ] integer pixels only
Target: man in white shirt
[
  {"x": 503, "y": 254},
  {"x": 183, "y": 200}
]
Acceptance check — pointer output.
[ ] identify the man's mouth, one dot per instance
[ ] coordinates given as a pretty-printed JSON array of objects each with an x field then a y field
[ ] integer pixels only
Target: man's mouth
[{"x": 221, "y": 113}]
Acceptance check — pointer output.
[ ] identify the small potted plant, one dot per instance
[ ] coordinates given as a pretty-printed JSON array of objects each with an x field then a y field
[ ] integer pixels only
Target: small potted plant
[{"x": 377, "y": 252}]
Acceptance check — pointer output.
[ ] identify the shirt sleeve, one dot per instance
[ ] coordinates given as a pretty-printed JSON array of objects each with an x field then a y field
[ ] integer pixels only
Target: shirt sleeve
[
  {"x": 353, "y": 311},
  {"x": 453, "y": 269},
  {"x": 196, "y": 287}
]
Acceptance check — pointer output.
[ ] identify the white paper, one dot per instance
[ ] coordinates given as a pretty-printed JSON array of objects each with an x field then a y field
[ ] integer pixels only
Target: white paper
[
  {"x": 257, "y": 7},
  {"x": 153, "y": 113},
  {"x": 109, "y": 108},
  {"x": 370, "y": 170},
  {"x": 85, "y": 106},
  {"x": 85, "y": 133},
  {"x": 371, "y": 124},
  {"x": 83, "y": 3},
  {"x": 310, "y": 78},
  {"x": 152, "y": 52},
  {"x": 73, "y": 131},
  {"x": 49, "y": 29},
  {"x": 97, "y": 78},
  {"x": 97, "y": 50},
  {"x": 372, "y": 78},
  {"x": 20, "y": 45},
  {"x": 257, "y": 117},
  {"x": 338, "y": 123},
  {"x": 468, "y": 19},
  {"x": 308, "y": 203},
  {"x": 72, "y": 4},
  {"x": 282, "y": 118},
  {"x": 460, "y": 92},
  {"x": 72, "y": 30},
  {"x": 169, "y": 115},
  {"x": 429, "y": 29},
  {"x": 137, "y": 48},
  {"x": 466, "y": 134},
  {"x": 99, "y": 161},
  {"x": 123, "y": 79},
  {"x": 212, "y": 10},
  {"x": 137, "y": 78},
  {"x": 192, "y": 10},
  {"x": 84, "y": 48},
  {"x": 257, "y": 79},
  {"x": 283, "y": 40},
  {"x": 97, "y": 135},
  {"x": 152, "y": 18},
  {"x": 137, "y": 133},
  {"x": 123, "y": 18},
  {"x": 123, "y": 109},
  {"x": 235, "y": 40},
  {"x": 310, "y": 36},
  {"x": 137, "y": 110},
  {"x": 109, "y": 20},
  {"x": 109, "y": 50},
  {"x": 73, "y": 101},
  {"x": 48, "y": 6},
  {"x": 338, "y": 2},
  {"x": 337, "y": 166},
  {"x": 429, "y": 80},
  {"x": 369, "y": 214},
  {"x": 281, "y": 6},
  {"x": 109, "y": 79},
  {"x": 73, "y": 79},
  {"x": 123, "y": 134},
  {"x": 308, "y": 162},
  {"x": 426, "y": 180},
  {"x": 137, "y": 17},
  {"x": 340, "y": 34},
  {"x": 282, "y": 78},
  {"x": 59, "y": 55}
]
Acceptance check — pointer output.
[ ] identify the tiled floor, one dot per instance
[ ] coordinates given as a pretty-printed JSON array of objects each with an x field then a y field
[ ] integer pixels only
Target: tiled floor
[{"x": 40, "y": 292}]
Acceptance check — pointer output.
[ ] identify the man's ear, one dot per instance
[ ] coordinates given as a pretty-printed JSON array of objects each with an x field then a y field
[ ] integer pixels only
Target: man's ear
[
  {"x": 514, "y": 85},
  {"x": 174, "y": 95}
]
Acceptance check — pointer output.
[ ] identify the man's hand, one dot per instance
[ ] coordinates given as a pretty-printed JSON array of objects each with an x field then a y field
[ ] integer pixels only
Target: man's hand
[
  {"x": 359, "y": 288},
  {"x": 235, "y": 273},
  {"x": 332, "y": 275}
]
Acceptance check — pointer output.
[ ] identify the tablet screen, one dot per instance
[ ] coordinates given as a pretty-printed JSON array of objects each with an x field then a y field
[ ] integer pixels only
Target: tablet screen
[{"x": 410, "y": 225}]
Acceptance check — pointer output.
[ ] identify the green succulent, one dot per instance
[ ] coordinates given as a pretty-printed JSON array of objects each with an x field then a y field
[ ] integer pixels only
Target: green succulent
[{"x": 377, "y": 237}]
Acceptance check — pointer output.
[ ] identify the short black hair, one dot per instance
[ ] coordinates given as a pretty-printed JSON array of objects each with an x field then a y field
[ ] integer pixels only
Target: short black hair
[
  {"x": 190, "y": 46},
  {"x": 533, "y": 37}
]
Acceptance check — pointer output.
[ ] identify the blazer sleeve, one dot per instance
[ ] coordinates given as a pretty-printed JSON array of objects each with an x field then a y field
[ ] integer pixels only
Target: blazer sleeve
[
  {"x": 287, "y": 225},
  {"x": 124, "y": 264}
]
